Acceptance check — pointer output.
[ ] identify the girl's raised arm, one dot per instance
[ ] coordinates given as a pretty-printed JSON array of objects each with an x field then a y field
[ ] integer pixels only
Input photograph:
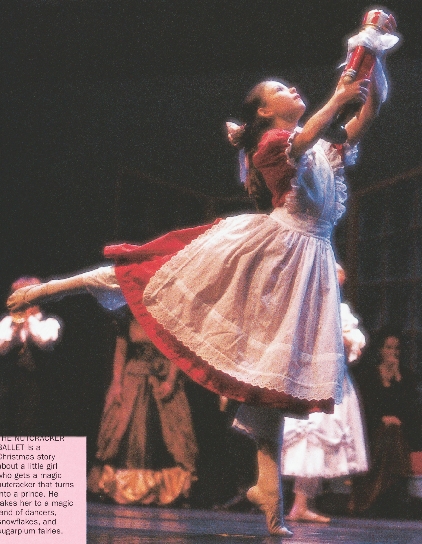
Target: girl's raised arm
[
  {"x": 360, "y": 123},
  {"x": 314, "y": 128}
]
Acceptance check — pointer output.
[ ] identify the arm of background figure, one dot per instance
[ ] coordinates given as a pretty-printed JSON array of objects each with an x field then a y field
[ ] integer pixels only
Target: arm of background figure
[
  {"x": 391, "y": 420},
  {"x": 164, "y": 390},
  {"x": 120, "y": 353}
]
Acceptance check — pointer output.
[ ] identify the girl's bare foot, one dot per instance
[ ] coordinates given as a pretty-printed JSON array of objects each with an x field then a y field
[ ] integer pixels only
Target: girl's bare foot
[{"x": 307, "y": 515}]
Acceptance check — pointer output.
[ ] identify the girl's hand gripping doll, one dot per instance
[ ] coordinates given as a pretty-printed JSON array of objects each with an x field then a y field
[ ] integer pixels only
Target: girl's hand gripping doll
[{"x": 365, "y": 55}]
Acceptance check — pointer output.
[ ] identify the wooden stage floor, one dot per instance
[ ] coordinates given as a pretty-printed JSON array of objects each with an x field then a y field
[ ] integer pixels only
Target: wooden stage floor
[{"x": 111, "y": 524}]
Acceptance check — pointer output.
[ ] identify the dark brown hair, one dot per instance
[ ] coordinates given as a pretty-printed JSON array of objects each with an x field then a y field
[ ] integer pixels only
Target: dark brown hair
[{"x": 255, "y": 126}]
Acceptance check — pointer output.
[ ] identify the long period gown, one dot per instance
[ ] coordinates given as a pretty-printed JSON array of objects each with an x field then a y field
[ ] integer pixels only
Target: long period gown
[{"x": 133, "y": 464}]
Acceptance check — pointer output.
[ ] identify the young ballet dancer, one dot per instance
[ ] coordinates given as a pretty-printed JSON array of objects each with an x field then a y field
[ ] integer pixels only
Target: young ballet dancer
[{"x": 249, "y": 306}]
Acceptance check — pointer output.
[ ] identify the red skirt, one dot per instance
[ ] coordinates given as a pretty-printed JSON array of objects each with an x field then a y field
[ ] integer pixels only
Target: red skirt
[{"x": 134, "y": 266}]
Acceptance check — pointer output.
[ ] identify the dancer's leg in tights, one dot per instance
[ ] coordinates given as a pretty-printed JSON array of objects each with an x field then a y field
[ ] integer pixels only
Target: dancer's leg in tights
[
  {"x": 100, "y": 282},
  {"x": 305, "y": 489},
  {"x": 265, "y": 426}
]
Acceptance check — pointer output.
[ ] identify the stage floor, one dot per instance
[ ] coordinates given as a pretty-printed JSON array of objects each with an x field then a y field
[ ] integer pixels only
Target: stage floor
[{"x": 110, "y": 524}]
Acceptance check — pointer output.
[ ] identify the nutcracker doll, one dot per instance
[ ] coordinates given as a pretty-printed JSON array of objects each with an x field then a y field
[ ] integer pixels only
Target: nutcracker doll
[{"x": 365, "y": 53}]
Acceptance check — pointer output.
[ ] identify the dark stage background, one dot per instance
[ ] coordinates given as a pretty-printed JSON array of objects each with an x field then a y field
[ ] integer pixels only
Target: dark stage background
[{"x": 113, "y": 118}]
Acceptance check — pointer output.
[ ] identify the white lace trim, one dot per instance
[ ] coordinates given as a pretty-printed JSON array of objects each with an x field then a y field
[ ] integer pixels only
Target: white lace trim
[
  {"x": 177, "y": 297},
  {"x": 294, "y": 202},
  {"x": 283, "y": 383},
  {"x": 337, "y": 164}
]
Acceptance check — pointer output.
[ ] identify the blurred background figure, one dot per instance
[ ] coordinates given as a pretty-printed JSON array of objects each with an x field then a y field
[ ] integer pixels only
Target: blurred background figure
[
  {"x": 26, "y": 340},
  {"x": 147, "y": 449},
  {"x": 389, "y": 396},
  {"x": 327, "y": 446}
]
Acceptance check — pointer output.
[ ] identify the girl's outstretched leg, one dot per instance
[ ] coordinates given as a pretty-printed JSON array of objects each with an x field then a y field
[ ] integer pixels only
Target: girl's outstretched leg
[
  {"x": 34, "y": 294},
  {"x": 97, "y": 282}
]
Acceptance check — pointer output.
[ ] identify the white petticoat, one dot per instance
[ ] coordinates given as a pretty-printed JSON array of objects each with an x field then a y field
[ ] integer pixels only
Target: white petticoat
[
  {"x": 326, "y": 445},
  {"x": 257, "y": 297}
]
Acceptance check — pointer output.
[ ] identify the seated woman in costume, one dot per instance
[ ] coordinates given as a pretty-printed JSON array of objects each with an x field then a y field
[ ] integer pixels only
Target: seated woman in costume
[{"x": 389, "y": 398}]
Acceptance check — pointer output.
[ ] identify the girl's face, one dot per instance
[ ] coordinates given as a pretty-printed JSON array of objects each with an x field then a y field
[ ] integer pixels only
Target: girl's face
[
  {"x": 281, "y": 102},
  {"x": 390, "y": 349}
]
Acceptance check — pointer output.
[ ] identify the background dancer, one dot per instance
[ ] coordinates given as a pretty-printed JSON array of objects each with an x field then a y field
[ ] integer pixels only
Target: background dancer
[
  {"x": 27, "y": 339},
  {"x": 146, "y": 401},
  {"x": 327, "y": 445},
  {"x": 389, "y": 395}
]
